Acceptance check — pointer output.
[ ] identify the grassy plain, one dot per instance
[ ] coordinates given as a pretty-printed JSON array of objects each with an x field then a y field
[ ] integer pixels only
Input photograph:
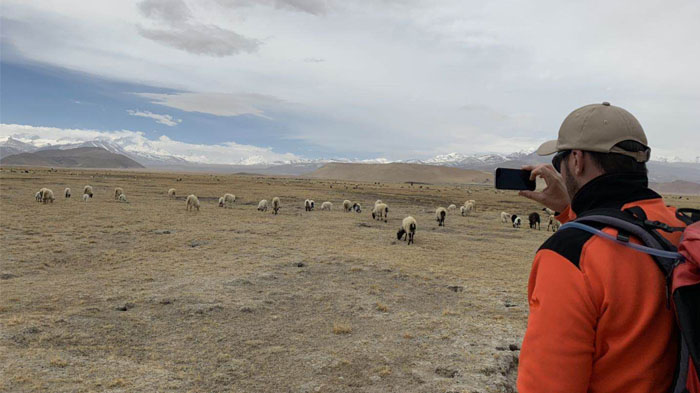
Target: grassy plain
[{"x": 145, "y": 296}]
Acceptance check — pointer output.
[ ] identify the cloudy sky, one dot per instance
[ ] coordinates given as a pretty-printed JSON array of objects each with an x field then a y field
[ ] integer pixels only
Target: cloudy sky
[{"x": 398, "y": 79}]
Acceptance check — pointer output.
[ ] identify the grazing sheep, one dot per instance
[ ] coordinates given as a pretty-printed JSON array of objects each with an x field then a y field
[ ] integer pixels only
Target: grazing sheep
[
  {"x": 440, "y": 214},
  {"x": 192, "y": 202},
  {"x": 468, "y": 207},
  {"x": 347, "y": 205},
  {"x": 47, "y": 196},
  {"x": 122, "y": 197},
  {"x": 549, "y": 211},
  {"x": 309, "y": 205},
  {"x": 357, "y": 208},
  {"x": 85, "y": 197},
  {"x": 452, "y": 208},
  {"x": 262, "y": 205},
  {"x": 66, "y": 193},
  {"x": 118, "y": 191},
  {"x": 227, "y": 201},
  {"x": 275, "y": 204},
  {"x": 553, "y": 223},
  {"x": 171, "y": 193},
  {"x": 463, "y": 210},
  {"x": 407, "y": 230},
  {"x": 380, "y": 211},
  {"x": 517, "y": 221},
  {"x": 326, "y": 206},
  {"x": 38, "y": 196},
  {"x": 87, "y": 190},
  {"x": 505, "y": 217},
  {"x": 472, "y": 202},
  {"x": 534, "y": 219}
]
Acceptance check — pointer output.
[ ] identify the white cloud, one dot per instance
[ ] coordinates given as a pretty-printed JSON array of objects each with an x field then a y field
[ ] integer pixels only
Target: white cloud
[
  {"x": 161, "y": 119},
  {"x": 181, "y": 32},
  {"x": 219, "y": 104},
  {"x": 135, "y": 141}
]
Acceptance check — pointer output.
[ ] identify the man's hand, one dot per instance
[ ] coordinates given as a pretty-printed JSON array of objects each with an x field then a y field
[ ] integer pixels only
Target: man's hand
[{"x": 554, "y": 196}]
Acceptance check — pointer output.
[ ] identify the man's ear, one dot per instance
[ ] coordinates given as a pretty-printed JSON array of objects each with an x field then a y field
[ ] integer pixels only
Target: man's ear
[{"x": 577, "y": 162}]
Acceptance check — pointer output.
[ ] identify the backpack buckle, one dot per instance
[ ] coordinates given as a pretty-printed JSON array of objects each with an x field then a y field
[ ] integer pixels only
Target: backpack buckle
[{"x": 623, "y": 237}]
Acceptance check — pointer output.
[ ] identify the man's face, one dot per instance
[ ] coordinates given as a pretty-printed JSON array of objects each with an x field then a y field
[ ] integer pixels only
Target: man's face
[{"x": 570, "y": 181}]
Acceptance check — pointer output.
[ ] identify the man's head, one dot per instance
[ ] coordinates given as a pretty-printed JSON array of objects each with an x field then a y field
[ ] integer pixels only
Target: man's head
[{"x": 594, "y": 140}]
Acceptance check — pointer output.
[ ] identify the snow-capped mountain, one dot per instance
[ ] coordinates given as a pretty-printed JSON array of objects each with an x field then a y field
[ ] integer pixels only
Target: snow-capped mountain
[
  {"x": 145, "y": 158},
  {"x": 13, "y": 146},
  {"x": 146, "y": 154}
]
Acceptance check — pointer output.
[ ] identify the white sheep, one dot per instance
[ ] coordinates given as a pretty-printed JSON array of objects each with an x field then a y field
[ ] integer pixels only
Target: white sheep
[
  {"x": 118, "y": 191},
  {"x": 262, "y": 205},
  {"x": 440, "y": 214},
  {"x": 192, "y": 202},
  {"x": 452, "y": 208},
  {"x": 347, "y": 205},
  {"x": 86, "y": 197},
  {"x": 380, "y": 211},
  {"x": 473, "y": 204},
  {"x": 171, "y": 193},
  {"x": 38, "y": 196},
  {"x": 122, "y": 197},
  {"x": 87, "y": 190},
  {"x": 407, "y": 230},
  {"x": 275, "y": 205},
  {"x": 227, "y": 201},
  {"x": 517, "y": 221},
  {"x": 553, "y": 223},
  {"x": 326, "y": 206},
  {"x": 47, "y": 196},
  {"x": 66, "y": 193},
  {"x": 505, "y": 217},
  {"x": 463, "y": 210},
  {"x": 309, "y": 205}
]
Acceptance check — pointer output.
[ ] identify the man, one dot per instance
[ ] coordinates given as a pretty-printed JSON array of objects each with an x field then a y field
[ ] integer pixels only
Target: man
[{"x": 599, "y": 320}]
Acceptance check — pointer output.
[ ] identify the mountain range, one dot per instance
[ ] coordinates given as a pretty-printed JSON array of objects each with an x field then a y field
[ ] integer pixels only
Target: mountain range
[
  {"x": 659, "y": 171},
  {"x": 80, "y": 157}
]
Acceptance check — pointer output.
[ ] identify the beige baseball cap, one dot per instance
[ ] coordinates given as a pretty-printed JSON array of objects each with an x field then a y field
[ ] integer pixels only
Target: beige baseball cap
[{"x": 598, "y": 128}]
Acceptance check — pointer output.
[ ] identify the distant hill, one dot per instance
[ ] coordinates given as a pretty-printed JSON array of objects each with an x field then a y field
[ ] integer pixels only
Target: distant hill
[
  {"x": 400, "y": 173},
  {"x": 82, "y": 157},
  {"x": 681, "y": 187}
]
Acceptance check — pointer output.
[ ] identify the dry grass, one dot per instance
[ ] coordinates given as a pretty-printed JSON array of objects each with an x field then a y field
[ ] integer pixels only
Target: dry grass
[
  {"x": 145, "y": 296},
  {"x": 341, "y": 328}
]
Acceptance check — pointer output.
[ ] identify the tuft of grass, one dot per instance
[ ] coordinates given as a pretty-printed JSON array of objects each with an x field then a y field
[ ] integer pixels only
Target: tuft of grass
[
  {"x": 384, "y": 371},
  {"x": 117, "y": 383},
  {"x": 341, "y": 328},
  {"x": 58, "y": 362},
  {"x": 447, "y": 312},
  {"x": 382, "y": 307}
]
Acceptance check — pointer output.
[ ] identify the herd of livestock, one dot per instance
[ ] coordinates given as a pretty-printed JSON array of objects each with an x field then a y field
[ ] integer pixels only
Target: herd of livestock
[{"x": 379, "y": 212}]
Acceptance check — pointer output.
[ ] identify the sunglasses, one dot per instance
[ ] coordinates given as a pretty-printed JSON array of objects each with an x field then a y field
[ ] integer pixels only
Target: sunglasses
[{"x": 558, "y": 158}]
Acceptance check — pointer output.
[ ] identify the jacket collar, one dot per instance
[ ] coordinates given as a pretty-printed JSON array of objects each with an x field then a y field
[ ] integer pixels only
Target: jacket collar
[{"x": 612, "y": 191}]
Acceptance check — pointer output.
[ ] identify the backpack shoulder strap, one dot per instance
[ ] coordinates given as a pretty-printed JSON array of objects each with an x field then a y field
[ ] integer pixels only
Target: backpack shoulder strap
[
  {"x": 630, "y": 224},
  {"x": 688, "y": 215}
]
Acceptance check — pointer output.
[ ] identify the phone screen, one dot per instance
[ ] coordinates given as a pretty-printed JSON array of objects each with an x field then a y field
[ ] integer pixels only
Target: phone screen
[{"x": 514, "y": 179}]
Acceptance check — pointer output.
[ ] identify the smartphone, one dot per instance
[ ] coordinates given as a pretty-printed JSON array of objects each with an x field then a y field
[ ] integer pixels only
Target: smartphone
[{"x": 514, "y": 179}]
